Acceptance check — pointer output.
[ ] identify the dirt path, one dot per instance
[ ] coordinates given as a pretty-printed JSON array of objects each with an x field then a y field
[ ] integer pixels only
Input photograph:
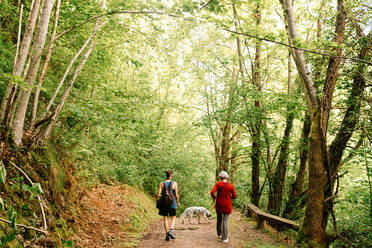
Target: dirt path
[
  {"x": 241, "y": 234},
  {"x": 118, "y": 216}
]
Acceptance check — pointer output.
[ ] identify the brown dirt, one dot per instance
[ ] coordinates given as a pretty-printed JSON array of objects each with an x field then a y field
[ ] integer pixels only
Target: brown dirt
[
  {"x": 242, "y": 233},
  {"x": 105, "y": 217}
]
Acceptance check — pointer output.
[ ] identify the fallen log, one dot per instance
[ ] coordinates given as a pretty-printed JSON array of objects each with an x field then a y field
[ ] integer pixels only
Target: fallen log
[{"x": 261, "y": 217}]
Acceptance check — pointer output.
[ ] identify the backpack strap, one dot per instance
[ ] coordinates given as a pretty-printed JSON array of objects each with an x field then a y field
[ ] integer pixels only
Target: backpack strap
[
  {"x": 167, "y": 188},
  {"x": 220, "y": 189}
]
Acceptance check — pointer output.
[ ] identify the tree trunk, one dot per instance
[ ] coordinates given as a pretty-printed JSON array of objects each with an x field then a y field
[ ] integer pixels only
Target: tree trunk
[
  {"x": 38, "y": 46},
  {"x": 312, "y": 224},
  {"x": 299, "y": 57},
  {"x": 347, "y": 127},
  {"x": 58, "y": 109},
  {"x": 45, "y": 67},
  {"x": 18, "y": 68},
  {"x": 333, "y": 68},
  {"x": 256, "y": 134},
  {"x": 51, "y": 101},
  {"x": 297, "y": 186},
  {"x": 275, "y": 199},
  {"x": 278, "y": 182},
  {"x": 238, "y": 44},
  {"x": 312, "y": 230}
]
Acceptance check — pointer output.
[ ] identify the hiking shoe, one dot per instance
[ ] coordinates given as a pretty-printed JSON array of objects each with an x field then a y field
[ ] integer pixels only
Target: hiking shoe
[
  {"x": 167, "y": 237},
  {"x": 220, "y": 237},
  {"x": 225, "y": 240},
  {"x": 171, "y": 234}
]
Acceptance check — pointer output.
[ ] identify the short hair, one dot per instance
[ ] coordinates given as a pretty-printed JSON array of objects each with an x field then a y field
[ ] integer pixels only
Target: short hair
[{"x": 168, "y": 173}]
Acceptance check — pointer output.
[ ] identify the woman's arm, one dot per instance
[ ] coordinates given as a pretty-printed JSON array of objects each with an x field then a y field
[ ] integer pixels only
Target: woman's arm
[
  {"x": 176, "y": 192},
  {"x": 160, "y": 189},
  {"x": 214, "y": 191},
  {"x": 233, "y": 194}
]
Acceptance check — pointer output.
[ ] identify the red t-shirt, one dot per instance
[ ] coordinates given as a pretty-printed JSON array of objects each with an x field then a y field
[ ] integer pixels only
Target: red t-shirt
[{"x": 223, "y": 202}]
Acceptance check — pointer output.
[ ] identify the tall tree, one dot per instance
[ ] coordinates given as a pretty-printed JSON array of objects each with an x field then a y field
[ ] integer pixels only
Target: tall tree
[
  {"x": 45, "y": 66},
  {"x": 7, "y": 101},
  {"x": 349, "y": 122},
  {"x": 257, "y": 125},
  {"x": 318, "y": 156},
  {"x": 35, "y": 57}
]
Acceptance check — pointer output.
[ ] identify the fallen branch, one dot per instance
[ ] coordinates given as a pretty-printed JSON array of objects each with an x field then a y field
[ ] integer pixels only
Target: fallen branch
[
  {"x": 38, "y": 197},
  {"x": 24, "y": 226}
]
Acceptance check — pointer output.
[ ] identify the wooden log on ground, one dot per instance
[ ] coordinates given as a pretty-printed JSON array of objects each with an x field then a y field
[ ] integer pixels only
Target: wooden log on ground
[{"x": 261, "y": 217}]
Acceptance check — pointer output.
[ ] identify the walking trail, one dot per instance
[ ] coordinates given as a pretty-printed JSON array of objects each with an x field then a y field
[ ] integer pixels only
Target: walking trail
[
  {"x": 242, "y": 233},
  {"x": 117, "y": 216}
]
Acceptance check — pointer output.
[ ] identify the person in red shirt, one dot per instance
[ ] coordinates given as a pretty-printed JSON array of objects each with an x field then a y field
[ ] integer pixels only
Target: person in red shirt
[{"x": 225, "y": 192}]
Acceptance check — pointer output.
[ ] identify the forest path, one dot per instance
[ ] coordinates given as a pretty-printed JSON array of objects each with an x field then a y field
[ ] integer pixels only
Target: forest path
[{"x": 242, "y": 233}]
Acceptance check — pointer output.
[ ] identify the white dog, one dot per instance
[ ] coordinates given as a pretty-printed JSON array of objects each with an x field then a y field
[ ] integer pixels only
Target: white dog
[{"x": 199, "y": 211}]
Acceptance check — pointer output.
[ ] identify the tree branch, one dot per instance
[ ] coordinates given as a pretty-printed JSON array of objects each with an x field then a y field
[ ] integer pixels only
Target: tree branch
[
  {"x": 24, "y": 226},
  {"x": 38, "y": 197},
  {"x": 206, "y": 4},
  {"x": 301, "y": 49}
]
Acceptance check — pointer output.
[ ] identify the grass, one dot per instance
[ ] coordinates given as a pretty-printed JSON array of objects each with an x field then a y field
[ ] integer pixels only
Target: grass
[
  {"x": 141, "y": 217},
  {"x": 262, "y": 245}
]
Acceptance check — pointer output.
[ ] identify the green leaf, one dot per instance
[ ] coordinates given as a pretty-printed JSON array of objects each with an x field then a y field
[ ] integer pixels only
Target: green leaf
[
  {"x": 25, "y": 187},
  {"x": 2, "y": 172},
  {"x": 67, "y": 243},
  {"x": 12, "y": 215},
  {"x": 35, "y": 190}
]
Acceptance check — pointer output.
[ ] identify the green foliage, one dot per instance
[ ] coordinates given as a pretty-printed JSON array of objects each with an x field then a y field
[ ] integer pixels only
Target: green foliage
[
  {"x": 67, "y": 243},
  {"x": 34, "y": 190}
]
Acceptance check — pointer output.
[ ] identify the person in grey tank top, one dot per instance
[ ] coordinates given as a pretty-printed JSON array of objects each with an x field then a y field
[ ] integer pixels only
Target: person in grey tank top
[{"x": 169, "y": 211}]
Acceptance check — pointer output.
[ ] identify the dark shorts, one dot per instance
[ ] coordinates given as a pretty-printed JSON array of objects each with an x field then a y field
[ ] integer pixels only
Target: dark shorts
[{"x": 167, "y": 212}]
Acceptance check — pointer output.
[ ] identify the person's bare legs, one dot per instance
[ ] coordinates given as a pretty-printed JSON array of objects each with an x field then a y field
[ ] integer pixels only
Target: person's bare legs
[
  {"x": 166, "y": 224},
  {"x": 166, "y": 227},
  {"x": 173, "y": 221}
]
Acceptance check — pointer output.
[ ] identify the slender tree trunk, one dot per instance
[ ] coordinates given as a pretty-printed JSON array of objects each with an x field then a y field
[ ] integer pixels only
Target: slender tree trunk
[
  {"x": 12, "y": 94},
  {"x": 297, "y": 186},
  {"x": 347, "y": 127},
  {"x": 45, "y": 67},
  {"x": 275, "y": 197},
  {"x": 238, "y": 44},
  {"x": 225, "y": 146},
  {"x": 256, "y": 135},
  {"x": 61, "y": 82},
  {"x": 67, "y": 91},
  {"x": 58, "y": 109},
  {"x": 299, "y": 57},
  {"x": 281, "y": 169},
  {"x": 333, "y": 67},
  {"x": 38, "y": 46},
  {"x": 18, "y": 68}
]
